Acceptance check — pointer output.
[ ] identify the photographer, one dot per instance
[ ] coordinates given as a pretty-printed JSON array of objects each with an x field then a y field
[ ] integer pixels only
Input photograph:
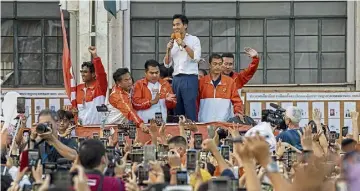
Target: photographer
[
  {"x": 293, "y": 133},
  {"x": 54, "y": 147}
]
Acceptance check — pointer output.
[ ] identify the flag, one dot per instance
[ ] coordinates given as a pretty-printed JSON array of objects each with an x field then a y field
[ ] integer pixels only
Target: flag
[
  {"x": 69, "y": 80},
  {"x": 110, "y": 6}
]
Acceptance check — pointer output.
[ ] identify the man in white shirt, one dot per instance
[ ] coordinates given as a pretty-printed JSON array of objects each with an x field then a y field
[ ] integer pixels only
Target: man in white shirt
[{"x": 184, "y": 53}]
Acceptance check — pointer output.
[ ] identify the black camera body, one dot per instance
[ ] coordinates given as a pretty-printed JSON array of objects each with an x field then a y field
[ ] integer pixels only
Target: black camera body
[
  {"x": 275, "y": 118},
  {"x": 43, "y": 128}
]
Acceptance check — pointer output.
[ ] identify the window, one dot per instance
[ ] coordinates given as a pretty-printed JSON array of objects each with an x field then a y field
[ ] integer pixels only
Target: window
[
  {"x": 32, "y": 46},
  {"x": 298, "y": 42}
]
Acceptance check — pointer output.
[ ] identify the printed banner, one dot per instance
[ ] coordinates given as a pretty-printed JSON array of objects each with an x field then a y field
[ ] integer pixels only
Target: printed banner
[
  {"x": 302, "y": 96},
  {"x": 38, "y": 93}
]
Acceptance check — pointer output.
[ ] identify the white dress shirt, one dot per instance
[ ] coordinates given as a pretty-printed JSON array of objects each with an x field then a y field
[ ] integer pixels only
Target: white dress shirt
[{"x": 182, "y": 62}]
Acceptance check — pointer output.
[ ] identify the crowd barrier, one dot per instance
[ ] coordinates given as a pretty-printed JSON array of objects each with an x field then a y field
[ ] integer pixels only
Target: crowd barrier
[{"x": 171, "y": 128}]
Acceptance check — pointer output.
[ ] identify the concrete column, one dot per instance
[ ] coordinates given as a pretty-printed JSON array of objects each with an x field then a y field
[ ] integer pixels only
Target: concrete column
[
  {"x": 102, "y": 44},
  {"x": 127, "y": 38},
  {"x": 116, "y": 44},
  {"x": 350, "y": 39},
  {"x": 83, "y": 34},
  {"x": 357, "y": 46}
]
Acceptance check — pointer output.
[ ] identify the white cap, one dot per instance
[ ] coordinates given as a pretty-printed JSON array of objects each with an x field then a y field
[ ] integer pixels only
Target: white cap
[
  {"x": 265, "y": 131},
  {"x": 293, "y": 113}
]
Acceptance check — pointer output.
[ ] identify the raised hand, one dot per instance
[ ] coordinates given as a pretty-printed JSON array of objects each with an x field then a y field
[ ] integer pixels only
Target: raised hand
[
  {"x": 250, "y": 52},
  {"x": 92, "y": 50}
]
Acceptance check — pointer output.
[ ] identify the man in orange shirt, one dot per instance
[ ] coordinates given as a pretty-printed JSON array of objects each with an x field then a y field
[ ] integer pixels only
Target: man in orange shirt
[
  {"x": 151, "y": 94},
  {"x": 121, "y": 108},
  {"x": 245, "y": 75},
  {"x": 92, "y": 92},
  {"x": 218, "y": 96}
]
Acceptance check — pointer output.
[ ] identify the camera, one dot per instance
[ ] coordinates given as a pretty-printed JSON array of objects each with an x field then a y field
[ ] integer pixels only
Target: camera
[
  {"x": 275, "y": 118},
  {"x": 43, "y": 128}
]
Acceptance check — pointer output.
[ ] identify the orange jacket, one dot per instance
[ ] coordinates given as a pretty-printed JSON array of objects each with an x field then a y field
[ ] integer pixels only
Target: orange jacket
[
  {"x": 120, "y": 100},
  {"x": 244, "y": 76},
  {"x": 87, "y": 98},
  {"x": 220, "y": 103},
  {"x": 142, "y": 96}
]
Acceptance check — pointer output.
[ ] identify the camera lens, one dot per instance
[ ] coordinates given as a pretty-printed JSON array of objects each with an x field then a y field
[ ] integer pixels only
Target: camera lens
[{"x": 41, "y": 128}]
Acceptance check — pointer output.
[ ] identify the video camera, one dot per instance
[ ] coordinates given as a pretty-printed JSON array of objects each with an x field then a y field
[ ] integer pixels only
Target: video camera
[{"x": 275, "y": 118}]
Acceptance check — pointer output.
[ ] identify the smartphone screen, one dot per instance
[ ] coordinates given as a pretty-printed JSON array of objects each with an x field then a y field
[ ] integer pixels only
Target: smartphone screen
[
  {"x": 225, "y": 152},
  {"x": 191, "y": 160},
  {"x": 132, "y": 131},
  {"x": 142, "y": 175},
  {"x": 229, "y": 142},
  {"x": 33, "y": 156},
  {"x": 61, "y": 178},
  {"x": 110, "y": 151},
  {"x": 149, "y": 153},
  {"x": 332, "y": 136},
  {"x": 16, "y": 159},
  {"x": 104, "y": 141},
  {"x": 106, "y": 133},
  {"x": 95, "y": 135},
  {"x": 20, "y": 107},
  {"x": 181, "y": 178},
  {"x": 197, "y": 141},
  {"x": 158, "y": 118},
  {"x": 313, "y": 126},
  {"x": 219, "y": 184},
  {"x": 188, "y": 135},
  {"x": 344, "y": 131},
  {"x": 121, "y": 139}
]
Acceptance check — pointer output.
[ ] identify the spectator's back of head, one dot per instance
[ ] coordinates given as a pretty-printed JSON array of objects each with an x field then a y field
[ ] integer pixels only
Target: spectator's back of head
[
  {"x": 294, "y": 114},
  {"x": 178, "y": 141},
  {"x": 91, "y": 153}
]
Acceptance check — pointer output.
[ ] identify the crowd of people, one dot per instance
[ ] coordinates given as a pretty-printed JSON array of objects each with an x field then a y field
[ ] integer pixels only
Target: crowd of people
[{"x": 51, "y": 156}]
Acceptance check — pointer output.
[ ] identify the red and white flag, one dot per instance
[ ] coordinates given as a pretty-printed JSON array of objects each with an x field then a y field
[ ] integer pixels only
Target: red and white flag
[{"x": 69, "y": 79}]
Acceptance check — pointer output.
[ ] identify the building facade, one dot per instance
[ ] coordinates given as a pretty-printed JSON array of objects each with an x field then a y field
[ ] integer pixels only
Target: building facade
[{"x": 303, "y": 45}]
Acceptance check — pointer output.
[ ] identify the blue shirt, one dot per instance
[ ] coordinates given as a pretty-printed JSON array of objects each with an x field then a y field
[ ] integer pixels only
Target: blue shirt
[{"x": 292, "y": 137}]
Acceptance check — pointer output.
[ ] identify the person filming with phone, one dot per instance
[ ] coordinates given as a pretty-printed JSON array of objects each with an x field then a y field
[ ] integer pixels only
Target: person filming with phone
[{"x": 44, "y": 136}]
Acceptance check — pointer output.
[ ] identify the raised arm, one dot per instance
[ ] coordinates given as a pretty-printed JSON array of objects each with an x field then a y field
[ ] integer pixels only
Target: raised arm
[
  {"x": 101, "y": 77},
  {"x": 246, "y": 74}
]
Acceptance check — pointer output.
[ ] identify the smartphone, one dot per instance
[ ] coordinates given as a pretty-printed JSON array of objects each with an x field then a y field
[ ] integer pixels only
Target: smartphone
[
  {"x": 191, "y": 160},
  {"x": 149, "y": 153},
  {"x": 137, "y": 155},
  {"x": 102, "y": 108},
  {"x": 203, "y": 155},
  {"x": 162, "y": 152},
  {"x": 211, "y": 131},
  {"x": 26, "y": 135},
  {"x": 33, "y": 156},
  {"x": 313, "y": 126},
  {"x": 188, "y": 135},
  {"x": 106, "y": 133},
  {"x": 16, "y": 160},
  {"x": 142, "y": 175},
  {"x": 220, "y": 184},
  {"x": 158, "y": 118},
  {"x": 132, "y": 131},
  {"x": 266, "y": 187},
  {"x": 225, "y": 152},
  {"x": 197, "y": 141},
  {"x": 332, "y": 136},
  {"x": 61, "y": 178},
  {"x": 341, "y": 185},
  {"x": 344, "y": 131},
  {"x": 182, "y": 178},
  {"x": 110, "y": 151},
  {"x": 229, "y": 142},
  {"x": 121, "y": 139},
  {"x": 20, "y": 106},
  {"x": 104, "y": 141},
  {"x": 95, "y": 135}
]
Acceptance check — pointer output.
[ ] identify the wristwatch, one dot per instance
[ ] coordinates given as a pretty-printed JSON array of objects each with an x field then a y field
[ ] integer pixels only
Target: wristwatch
[
  {"x": 185, "y": 46},
  {"x": 272, "y": 167}
]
